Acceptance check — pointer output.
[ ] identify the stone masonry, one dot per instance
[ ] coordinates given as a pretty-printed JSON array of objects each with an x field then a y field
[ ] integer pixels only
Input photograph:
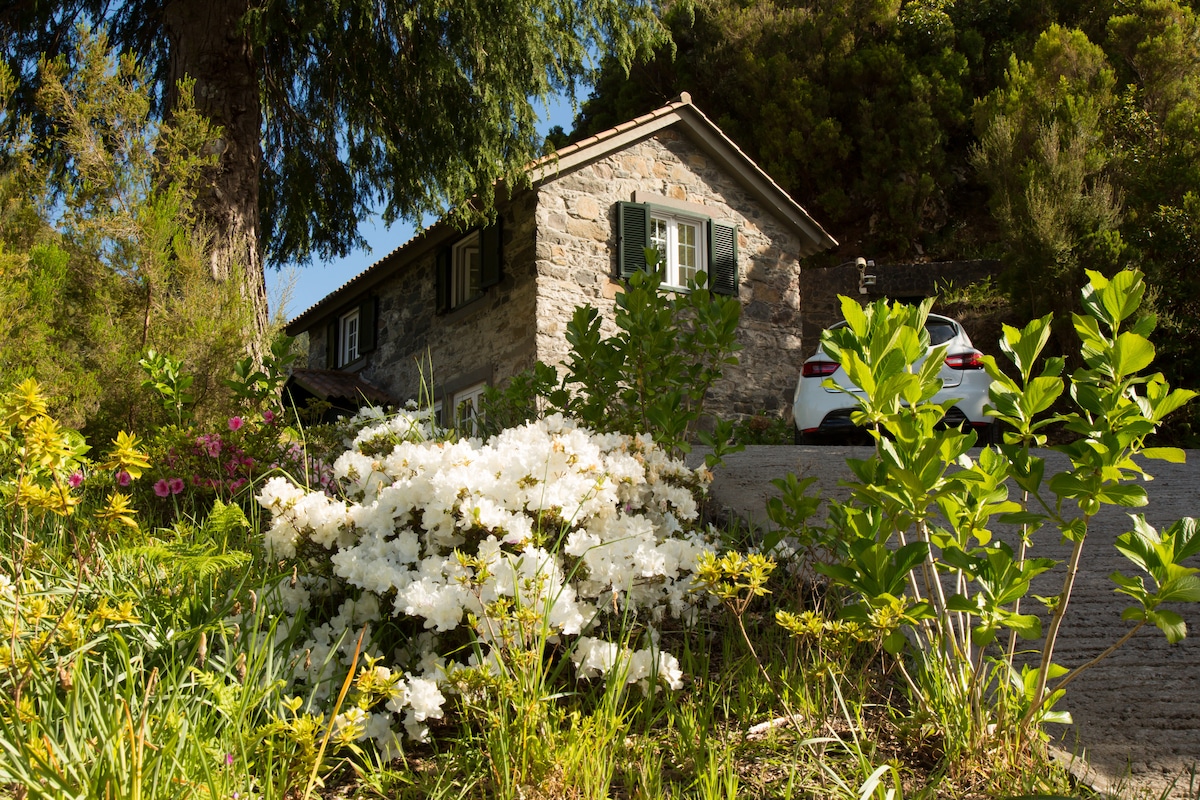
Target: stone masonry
[{"x": 576, "y": 261}]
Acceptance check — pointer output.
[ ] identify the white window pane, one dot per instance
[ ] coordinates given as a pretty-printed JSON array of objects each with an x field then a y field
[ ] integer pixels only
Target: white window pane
[
  {"x": 659, "y": 237},
  {"x": 688, "y": 252},
  {"x": 680, "y": 241},
  {"x": 349, "y": 339},
  {"x": 466, "y": 271},
  {"x": 466, "y": 409}
]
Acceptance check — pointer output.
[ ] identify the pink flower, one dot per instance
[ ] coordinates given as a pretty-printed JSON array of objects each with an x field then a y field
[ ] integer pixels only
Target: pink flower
[
  {"x": 175, "y": 485},
  {"x": 229, "y": 759},
  {"x": 269, "y": 416},
  {"x": 123, "y": 478},
  {"x": 209, "y": 443},
  {"x": 235, "y": 423},
  {"x": 75, "y": 480},
  {"x": 161, "y": 488}
]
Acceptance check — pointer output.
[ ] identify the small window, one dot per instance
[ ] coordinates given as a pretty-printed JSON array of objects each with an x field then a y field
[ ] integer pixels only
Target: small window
[
  {"x": 466, "y": 270},
  {"x": 466, "y": 409},
  {"x": 348, "y": 330},
  {"x": 688, "y": 244},
  {"x": 680, "y": 245}
]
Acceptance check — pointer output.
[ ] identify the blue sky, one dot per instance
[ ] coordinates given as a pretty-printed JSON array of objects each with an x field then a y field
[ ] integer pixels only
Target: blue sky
[{"x": 311, "y": 283}]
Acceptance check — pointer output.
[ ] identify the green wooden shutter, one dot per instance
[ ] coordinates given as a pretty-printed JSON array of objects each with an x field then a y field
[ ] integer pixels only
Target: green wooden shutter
[
  {"x": 442, "y": 280},
  {"x": 331, "y": 348},
  {"x": 489, "y": 255},
  {"x": 366, "y": 326},
  {"x": 722, "y": 258},
  {"x": 633, "y": 237}
]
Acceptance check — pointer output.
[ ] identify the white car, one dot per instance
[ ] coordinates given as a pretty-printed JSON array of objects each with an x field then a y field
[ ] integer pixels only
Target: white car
[{"x": 823, "y": 414}]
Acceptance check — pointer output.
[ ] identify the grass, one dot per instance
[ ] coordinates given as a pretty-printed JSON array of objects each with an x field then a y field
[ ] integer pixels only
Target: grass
[
  {"x": 171, "y": 701},
  {"x": 151, "y": 666}
]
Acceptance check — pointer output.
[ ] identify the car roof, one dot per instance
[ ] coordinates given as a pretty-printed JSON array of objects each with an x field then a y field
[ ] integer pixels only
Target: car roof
[{"x": 931, "y": 317}]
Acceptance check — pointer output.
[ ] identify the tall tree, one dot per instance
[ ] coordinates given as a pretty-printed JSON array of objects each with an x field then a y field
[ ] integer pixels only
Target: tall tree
[
  {"x": 107, "y": 260},
  {"x": 854, "y": 106},
  {"x": 327, "y": 109},
  {"x": 1043, "y": 154}
]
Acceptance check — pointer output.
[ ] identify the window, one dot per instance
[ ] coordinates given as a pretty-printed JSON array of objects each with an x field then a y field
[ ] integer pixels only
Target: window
[
  {"x": 348, "y": 327},
  {"x": 466, "y": 409},
  {"x": 687, "y": 242},
  {"x": 680, "y": 245},
  {"x": 467, "y": 268},
  {"x": 350, "y": 335}
]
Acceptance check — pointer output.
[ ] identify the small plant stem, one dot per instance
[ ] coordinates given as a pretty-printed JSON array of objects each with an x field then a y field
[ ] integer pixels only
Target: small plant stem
[
  {"x": 763, "y": 670},
  {"x": 1021, "y": 554},
  {"x": 975, "y": 690},
  {"x": 914, "y": 586},
  {"x": 1060, "y": 611},
  {"x": 312, "y": 778},
  {"x": 950, "y": 643},
  {"x": 1073, "y": 674},
  {"x": 922, "y": 701}
]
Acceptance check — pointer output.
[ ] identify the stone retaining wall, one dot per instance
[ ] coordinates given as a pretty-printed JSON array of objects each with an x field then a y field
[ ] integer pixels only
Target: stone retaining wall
[{"x": 820, "y": 287}]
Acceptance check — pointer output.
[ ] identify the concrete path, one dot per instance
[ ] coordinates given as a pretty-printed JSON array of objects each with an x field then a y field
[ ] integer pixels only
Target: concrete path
[{"x": 1137, "y": 714}]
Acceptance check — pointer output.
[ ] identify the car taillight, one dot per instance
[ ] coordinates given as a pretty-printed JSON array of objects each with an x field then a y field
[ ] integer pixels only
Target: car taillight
[
  {"x": 819, "y": 369},
  {"x": 969, "y": 360}
]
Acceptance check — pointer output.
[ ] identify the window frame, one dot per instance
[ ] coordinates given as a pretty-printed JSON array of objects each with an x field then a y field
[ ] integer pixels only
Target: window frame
[
  {"x": 450, "y": 272},
  {"x": 349, "y": 337},
  {"x": 672, "y": 222},
  {"x": 472, "y": 394},
  {"x": 716, "y": 243},
  {"x": 338, "y": 353},
  {"x": 462, "y": 290}
]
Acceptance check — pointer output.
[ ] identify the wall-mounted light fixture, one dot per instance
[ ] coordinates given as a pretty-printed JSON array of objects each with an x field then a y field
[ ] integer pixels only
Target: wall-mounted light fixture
[{"x": 864, "y": 279}]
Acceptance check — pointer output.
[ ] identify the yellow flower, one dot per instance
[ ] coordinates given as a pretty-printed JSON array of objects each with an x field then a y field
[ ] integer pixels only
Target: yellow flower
[
  {"x": 23, "y": 403},
  {"x": 118, "y": 511},
  {"x": 125, "y": 455}
]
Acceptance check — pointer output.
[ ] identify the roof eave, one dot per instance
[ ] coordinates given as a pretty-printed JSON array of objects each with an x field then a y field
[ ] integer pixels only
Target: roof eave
[{"x": 703, "y": 131}]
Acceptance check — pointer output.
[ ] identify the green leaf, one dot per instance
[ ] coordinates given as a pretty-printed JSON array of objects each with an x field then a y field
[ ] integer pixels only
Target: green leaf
[
  {"x": 1169, "y": 623},
  {"x": 1128, "y": 495},
  {"x": 1183, "y": 589},
  {"x": 982, "y": 635},
  {"x": 1131, "y": 354},
  {"x": 1173, "y": 455},
  {"x": 894, "y": 642},
  {"x": 1027, "y": 626}
]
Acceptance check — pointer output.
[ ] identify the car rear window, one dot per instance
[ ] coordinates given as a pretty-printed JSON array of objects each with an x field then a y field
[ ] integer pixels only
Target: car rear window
[{"x": 939, "y": 332}]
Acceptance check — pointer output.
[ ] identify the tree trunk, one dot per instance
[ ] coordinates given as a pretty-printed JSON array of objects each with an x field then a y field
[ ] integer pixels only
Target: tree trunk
[{"x": 209, "y": 45}]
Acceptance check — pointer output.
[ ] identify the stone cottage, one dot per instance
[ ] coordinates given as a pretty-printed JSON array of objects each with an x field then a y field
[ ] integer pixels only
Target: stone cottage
[{"x": 455, "y": 311}]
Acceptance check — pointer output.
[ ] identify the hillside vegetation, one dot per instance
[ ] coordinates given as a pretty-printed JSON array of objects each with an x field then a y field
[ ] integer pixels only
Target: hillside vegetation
[{"x": 1057, "y": 136}]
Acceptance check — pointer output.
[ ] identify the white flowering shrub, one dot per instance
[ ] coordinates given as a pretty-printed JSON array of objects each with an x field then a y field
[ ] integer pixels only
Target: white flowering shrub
[{"x": 547, "y": 537}]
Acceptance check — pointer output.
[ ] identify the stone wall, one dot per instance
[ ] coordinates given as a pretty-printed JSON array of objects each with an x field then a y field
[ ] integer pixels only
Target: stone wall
[
  {"x": 820, "y": 287},
  {"x": 489, "y": 339},
  {"x": 559, "y": 252},
  {"x": 576, "y": 261}
]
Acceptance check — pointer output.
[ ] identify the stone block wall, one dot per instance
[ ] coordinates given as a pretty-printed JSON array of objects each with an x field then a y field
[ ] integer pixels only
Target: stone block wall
[
  {"x": 576, "y": 261},
  {"x": 820, "y": 287},
  {"x": 490, "y": 339}
]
